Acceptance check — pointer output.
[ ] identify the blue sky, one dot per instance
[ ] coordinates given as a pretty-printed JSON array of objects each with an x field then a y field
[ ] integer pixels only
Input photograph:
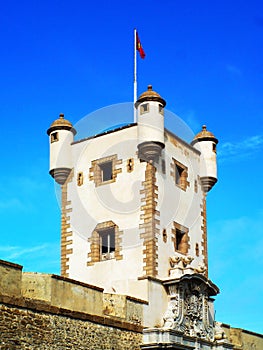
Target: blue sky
[{"x": 204, "y": 57}]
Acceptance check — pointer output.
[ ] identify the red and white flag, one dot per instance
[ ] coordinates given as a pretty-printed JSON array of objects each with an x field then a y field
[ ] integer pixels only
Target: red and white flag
[{"x": 139, "y": 46}]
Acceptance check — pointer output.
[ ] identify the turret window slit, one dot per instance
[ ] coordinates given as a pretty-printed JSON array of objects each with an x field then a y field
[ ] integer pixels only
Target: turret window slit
[
  {"x": 54, "y": 137},
  {"x": 144, "y": 108}
]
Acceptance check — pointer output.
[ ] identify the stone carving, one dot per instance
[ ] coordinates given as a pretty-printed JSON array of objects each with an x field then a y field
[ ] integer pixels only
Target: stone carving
[
  {"x": 219, "y": 332},
  {"x": 174, "y": 260},
  {"x": 182, "y": 261},
  {"x": 201, "y": 268},
  {"x": 188, "y": 309},
  {"x": 169, "y": 315}
]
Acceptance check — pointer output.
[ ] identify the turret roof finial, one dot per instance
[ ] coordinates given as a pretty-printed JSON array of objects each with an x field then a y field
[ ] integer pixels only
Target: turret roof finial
[
  {"x": 61, "y": 124},
  {"x": 150, "y": 95},
  {"x": 204, "y": 135}
]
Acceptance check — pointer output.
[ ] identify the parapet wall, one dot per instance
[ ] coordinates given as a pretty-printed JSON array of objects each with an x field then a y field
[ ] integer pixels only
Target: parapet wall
[
  {"x": 243, "y": 339},
  {"x": 40, "y": 311}
]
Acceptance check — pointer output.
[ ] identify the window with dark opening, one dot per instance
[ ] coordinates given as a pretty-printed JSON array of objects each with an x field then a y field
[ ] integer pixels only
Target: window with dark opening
[
  {"x": 107, "y": 243},
  {"x": 214, "y": 147},
  {"x": 54, "y": 137},
  {"x": 160, "y": 109},
  {"x": 179, "y": 239},
  {"x": 106, "y": 171},
  {"x": 144, "y": 108},
  {"x": 178, "y": 174}
]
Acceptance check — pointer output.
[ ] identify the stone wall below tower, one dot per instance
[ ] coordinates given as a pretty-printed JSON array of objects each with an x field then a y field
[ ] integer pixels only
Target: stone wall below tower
[
  {"x": 28, "y": 328},
  {"x": 40, "y": 312}
]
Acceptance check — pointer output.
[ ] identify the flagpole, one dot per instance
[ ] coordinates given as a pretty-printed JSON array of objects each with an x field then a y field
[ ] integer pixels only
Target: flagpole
[{"x": 135, "y": 78}]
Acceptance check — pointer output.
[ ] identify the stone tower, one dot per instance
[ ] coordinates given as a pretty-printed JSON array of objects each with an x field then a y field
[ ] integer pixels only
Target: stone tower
[{"x": 134, "y": 220}]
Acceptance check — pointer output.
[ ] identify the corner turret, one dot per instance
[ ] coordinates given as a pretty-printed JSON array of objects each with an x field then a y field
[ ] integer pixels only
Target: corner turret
[
  {"x": 206, "y": 142},
  {"x": 150, "y": 106},
  {"x": 61, "y": 135}
]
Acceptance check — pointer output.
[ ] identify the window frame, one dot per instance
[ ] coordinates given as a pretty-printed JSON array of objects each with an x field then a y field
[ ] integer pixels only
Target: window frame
[
  {"x": 183, "y": 246},
  {"x": 180, "y": 175},
  {"x": 96, "y": 170},
  {"x": 144, "y": 108},
  {"x": 54, "y": 137},
  {"x": 105, "y": 176},
  {"x": 109, "y": 234},
  {"x": 96, "y": 253}
]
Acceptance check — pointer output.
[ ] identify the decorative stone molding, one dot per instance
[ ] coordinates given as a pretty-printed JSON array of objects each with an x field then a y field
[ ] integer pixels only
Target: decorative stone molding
[
  {"x": 180, "y": 265},
  {"x": 201, "y": 268},
  {"x": 95, "y": 173},
  {"x": 150, "y": 224},
  {"x": 208, "y": 182},
  {"x": 95, "y": 246},
  {"x": 66, "y": 232},
  {"x": 219, "y": 332},
  {"x": 158, "y": 338},
  {"x": 189, "y": 307},
  {"x": 150, "y": 151},
  {"x": 60, "y": 175}
]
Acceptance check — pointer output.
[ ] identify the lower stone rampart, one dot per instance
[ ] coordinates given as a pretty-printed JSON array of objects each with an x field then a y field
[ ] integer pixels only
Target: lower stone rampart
[
  {"x": 24, "y": 328},
  {"x": 40, "y": 311}
]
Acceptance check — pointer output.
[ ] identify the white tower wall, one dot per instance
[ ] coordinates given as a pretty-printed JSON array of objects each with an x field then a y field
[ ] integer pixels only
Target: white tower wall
[
  {"x": 60, "y": 150},
  {"x": 150, "y": 123},
  {"x": 208, "y": 166}
]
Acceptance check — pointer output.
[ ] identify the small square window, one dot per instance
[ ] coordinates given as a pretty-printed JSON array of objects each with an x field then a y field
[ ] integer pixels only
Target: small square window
[
  {"x": 180, "y": 174},
  {"x": 106, "y": 171},
  {"x": 107, "y": 243},
  {"x": 54, "y": 137},
  {"x": 144, "y": 108},
  {"x": 180, "y": 238}
]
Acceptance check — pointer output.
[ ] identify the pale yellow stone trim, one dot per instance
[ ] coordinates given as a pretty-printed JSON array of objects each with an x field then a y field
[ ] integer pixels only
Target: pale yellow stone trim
[
  {"x": 149, "y": 227},
  {"x": 204, "y": 234},
  {"x": 65, "y": 226}
]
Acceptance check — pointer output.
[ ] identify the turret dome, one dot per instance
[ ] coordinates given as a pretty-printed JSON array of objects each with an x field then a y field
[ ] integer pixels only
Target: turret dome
[
  {"x": 150, "y": 95},
  {"x": 61, "y": 124},
  {"x": 204, "y": 135}
]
